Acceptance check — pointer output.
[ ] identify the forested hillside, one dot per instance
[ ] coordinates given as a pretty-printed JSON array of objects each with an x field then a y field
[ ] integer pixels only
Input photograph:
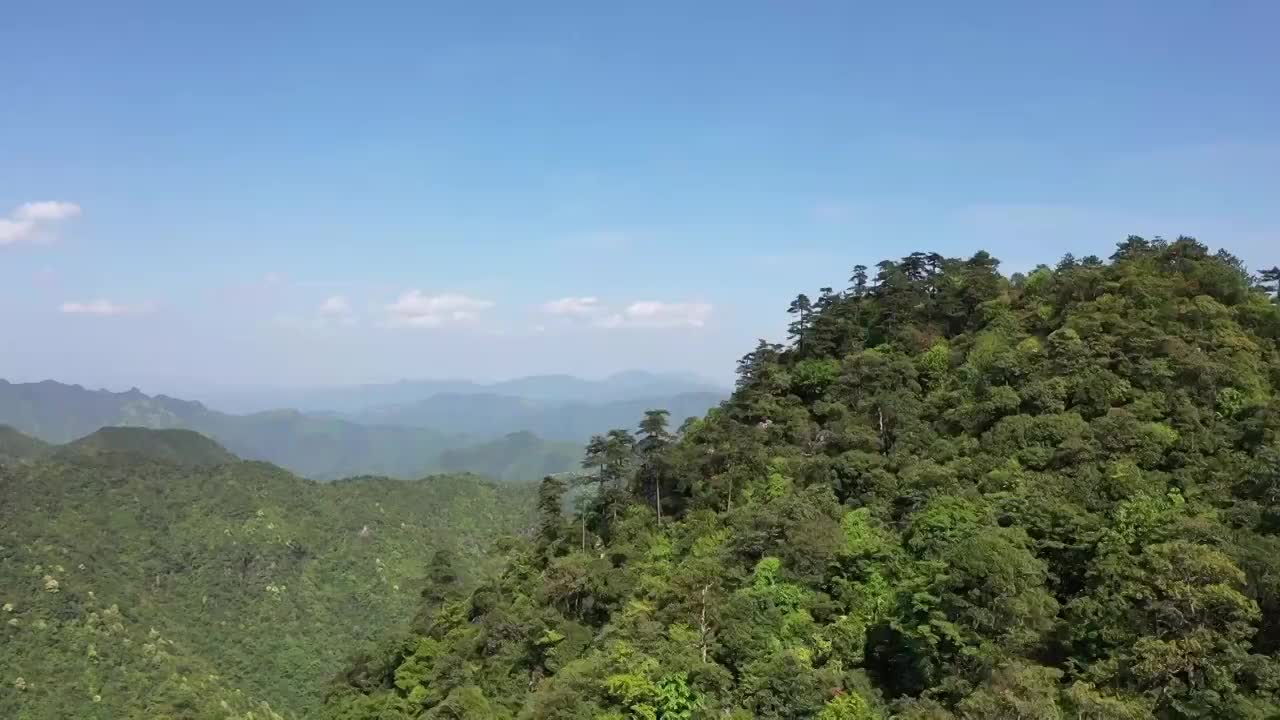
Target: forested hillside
[
  {"x": 951, "y": 494},
  {"x": 135, "y": 582},
  {"x": 15, "y": 446},
  {"x": 179, "y": 447},
  {"x": 518, "y": 456}
]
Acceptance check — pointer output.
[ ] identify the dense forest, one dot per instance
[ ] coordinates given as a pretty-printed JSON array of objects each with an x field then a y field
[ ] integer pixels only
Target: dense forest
[
  {"x": 951, "y": 494},
  {"x": 150, "y": 574}
]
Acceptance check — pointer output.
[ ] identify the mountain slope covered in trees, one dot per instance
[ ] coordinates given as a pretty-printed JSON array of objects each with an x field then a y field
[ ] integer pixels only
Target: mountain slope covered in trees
[
  {"x": 132, "y": 585},
  {"x": 179, "y": 447},
  {"x": 518, "y": 456},
  {"x": 951, "y": 495},
  {"x": 16, "y": 446}
]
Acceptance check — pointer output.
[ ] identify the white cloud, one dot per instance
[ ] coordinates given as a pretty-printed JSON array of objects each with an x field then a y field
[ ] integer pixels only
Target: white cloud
[
  {"x": 336, "y": 305},
  {"x": 658, "y": 314},
  {"x": 104, "y": 307},
  {"x": 574, "y": 307},
  {"x": 12, "y": 231},
  {"x": 415, "y": 308},
  {"x": 49, "y": 210},
  {"x": 26, "y": 220},
  {"x": 335, "y": 310},
  {"x": 612, "y": 320},
  {"x": 642, "y": 313}
]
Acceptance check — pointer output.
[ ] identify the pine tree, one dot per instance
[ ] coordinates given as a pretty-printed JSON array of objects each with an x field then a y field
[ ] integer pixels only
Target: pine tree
[
  {"x": 802, "y": 308},
  {"x": 654, "y": 440},
  {"x": 550, "y": 509},
  {"x": 858, "y": 281},
  {"x": 1271, "y": 282}
]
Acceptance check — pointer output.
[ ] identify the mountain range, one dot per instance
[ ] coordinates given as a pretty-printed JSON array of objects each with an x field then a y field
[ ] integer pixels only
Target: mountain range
[
  {"x": 446, "y": 431},
  {"x": 554, "y": 389},
  {"x": 492, "y": 414},
  {"x": 316, "y": 447}
]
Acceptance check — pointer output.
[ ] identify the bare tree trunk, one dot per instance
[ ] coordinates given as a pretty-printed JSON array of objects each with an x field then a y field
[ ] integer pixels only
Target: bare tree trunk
[
  {"x": 657, "y": 489},
  {"x": 702, "y": 625}
]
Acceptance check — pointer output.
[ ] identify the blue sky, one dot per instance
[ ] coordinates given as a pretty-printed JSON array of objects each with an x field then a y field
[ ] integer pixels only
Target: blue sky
[{"x": 300, "y": 193}]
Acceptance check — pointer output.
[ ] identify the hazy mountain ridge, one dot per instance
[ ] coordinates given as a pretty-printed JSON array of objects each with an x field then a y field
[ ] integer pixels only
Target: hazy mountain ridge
[
  {"x": 322, "y": 448},
  {"x": 517, "y": 456},
  {"x": 59, "y": 412},
  {"x": 492, "y": 414},
  {"x": 401, "y": 441},
  {"x": 555, "y": 389}
]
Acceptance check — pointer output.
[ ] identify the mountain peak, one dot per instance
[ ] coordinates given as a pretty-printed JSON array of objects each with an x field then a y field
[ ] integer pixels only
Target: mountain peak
[{"x": 179, "y": 447}]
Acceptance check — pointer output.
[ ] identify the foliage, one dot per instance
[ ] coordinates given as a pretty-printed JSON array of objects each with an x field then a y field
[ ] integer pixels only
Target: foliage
[
  {"x": 142, "y": 587},
  {"x": 180, "y": 447},
  {"x": 17, "y": 447},
  {"x": 950, "y": 495}
]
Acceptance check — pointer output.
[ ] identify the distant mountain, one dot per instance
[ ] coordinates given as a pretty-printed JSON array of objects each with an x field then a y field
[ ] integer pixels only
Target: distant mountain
[
  {"x": 517, "y": 456},
  {"x": 317, "y": 447},
  {"x": 326, "y": 400},
  {"x": 59, "y": 413},
  {"x": 551, "y": 389},
  {"x": 406, "y": 440},
  {"x": 327, "y": 448},
  {"x": 322, "y": 447},
  {"x": 179, "y": 447},
  {"x": 628, "y": 385},
  {"x": 493, "y": 414}
]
